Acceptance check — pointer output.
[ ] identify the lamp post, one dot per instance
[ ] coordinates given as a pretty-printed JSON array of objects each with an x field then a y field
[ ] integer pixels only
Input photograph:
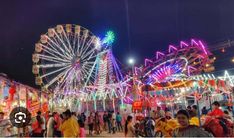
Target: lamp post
[{"x": 131, "y": 62}]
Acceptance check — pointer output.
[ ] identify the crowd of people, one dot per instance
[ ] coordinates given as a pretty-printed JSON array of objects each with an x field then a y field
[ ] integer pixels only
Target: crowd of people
[
  {"x": 159, "y": 122},
  {"x": 71, "y": 124},
  {"x": 186, "y": 123}
]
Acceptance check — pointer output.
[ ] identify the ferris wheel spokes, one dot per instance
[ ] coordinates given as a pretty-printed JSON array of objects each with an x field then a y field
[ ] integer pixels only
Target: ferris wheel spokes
[
  {"x": 87, "y": 47},
  {"x": 59, "y": 37},
  {"x": 65, "y": 51},
  {"x": 55, "y": 71},
  {"x": 53, "y": 65},
  {"x": 68, "y": 41},
  {"x": 83, "y": 38},
  {"x": 46, "y": 48},
  {"x": 50, "y": 58},
  {"x": 55, "y": 79}
]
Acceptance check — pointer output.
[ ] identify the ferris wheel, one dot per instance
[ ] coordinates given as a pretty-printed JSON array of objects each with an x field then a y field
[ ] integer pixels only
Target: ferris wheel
[{"x": 65, "y": 57}]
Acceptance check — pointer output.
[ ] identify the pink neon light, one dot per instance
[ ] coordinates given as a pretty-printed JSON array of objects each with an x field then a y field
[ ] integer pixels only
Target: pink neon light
[
  {"x": 200, "y": 56},
  {"x": 137, "y": 69},
  {"x": 172, "y": 47},
  {"x": 148, "y": 61},
  {"x": 158, "y": 54},
  {"x": 194, "y": 42},
  {"x": 203, "y": 47},
  {"x": 192, "y": 68},
  {"x": 183, "y": 44}
]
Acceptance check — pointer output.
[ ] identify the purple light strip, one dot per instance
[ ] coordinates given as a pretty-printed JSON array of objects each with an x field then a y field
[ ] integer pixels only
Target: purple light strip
[
  {"x": 194, "y": 42},
  {"x": 189, "y": 71},
  {"x": 158, "y": 54},
  {"x": 171, "y": 47},
  {"x": 148, "y": 61},
  {"x": 203, "y": 47},
  {"x": 136, "y": 70},
  {"x": 183, "y": 44}
]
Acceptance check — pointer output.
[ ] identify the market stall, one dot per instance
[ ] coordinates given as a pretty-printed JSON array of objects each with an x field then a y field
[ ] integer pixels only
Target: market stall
[{"x": 14, "y": 94}]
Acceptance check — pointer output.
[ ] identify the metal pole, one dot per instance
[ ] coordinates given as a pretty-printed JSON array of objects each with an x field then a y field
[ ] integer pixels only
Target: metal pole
[
  {"x": 148, "y": 110},
  {"x": 209, "y": 95},
  {"x": 95, "y": 105},
  {"x": 133, "y": 84},
  {"x": 104, "y": 104},
  {"x": 198, "y": 112},
  {"x": 113, "y": 104},
  {"x": 87, "y": 106}
]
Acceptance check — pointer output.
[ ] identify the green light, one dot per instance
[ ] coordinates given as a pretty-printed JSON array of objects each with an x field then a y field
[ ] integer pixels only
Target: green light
[
  {"x": 123, "y": 106},
  {"x": 109, "y": 38}
]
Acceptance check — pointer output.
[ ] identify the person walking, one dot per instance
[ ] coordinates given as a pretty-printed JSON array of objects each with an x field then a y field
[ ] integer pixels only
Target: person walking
[
  {"x": 43, "y": 121},
  {"x": 204, "y": 111},
  {"x": 216, "y": 112},
  {"x": 230, "y": 112},
  {"x": 83, "y": 117},
  {"x": 50, "y": 125},
  {"x": 113, "y": 124},
  {"x": 105, "y": 118},
  {"x": 193, "y": 120},
  {"x": 82, "y": 129},
  {"x": 129, "y": 128},
  {"x": 125, "y": 115},
  {"x": 159, "y": 113},
  {"x": 90, "y": 123},
  {"x": 69, "y": 126},
  {"x": 109, "y": 119},
  {"x": 57, "y": 120},
  {"x": 119, "y": 122},
  {"x": 36, "y": 126},
  {"x": 97, "y": 123},
  {"x": 195, "y": 109}
]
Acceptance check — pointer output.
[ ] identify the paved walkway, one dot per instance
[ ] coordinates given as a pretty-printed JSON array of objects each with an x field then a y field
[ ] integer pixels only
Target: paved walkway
[{"x": 105, "y": 134}]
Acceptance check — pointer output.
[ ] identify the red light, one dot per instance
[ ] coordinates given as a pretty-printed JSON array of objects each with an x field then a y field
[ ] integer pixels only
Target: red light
[{"x": 223, "y": 50}]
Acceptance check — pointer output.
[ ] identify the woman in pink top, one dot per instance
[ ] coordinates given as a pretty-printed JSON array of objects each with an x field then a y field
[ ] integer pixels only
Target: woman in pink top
[{"x": 82, "y": 129}]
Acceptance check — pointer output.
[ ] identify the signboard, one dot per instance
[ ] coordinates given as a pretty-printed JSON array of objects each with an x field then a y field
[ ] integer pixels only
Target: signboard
[{"x": 137, "y": 105}]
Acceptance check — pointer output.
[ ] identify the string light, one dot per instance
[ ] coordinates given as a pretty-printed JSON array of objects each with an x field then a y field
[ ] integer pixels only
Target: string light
[
  {"x": 233, "y": 59},
  {"x": 223, "y": 50},
  {"x": 207, "y": 65}
]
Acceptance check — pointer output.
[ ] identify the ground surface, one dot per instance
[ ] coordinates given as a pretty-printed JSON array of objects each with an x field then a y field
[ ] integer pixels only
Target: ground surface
[{"x": 105, "y": 134}]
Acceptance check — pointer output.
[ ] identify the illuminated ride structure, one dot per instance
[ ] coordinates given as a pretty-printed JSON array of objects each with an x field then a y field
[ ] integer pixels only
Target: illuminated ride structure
[
  {"x": 171, "y": 68},
  {"x": 180, "y": 62},
  {"x": 77, "y": 66},
  {"x": 80, "y": 69}
]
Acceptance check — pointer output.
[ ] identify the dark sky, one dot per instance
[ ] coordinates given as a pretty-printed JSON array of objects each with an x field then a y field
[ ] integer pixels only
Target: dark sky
[{"x": 153, "y": 25}]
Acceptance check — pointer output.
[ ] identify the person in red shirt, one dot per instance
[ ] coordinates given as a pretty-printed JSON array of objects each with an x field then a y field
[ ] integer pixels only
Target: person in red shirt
[
  {"x": 217, "y": 112},
  {"x": 37, "y": 129}
]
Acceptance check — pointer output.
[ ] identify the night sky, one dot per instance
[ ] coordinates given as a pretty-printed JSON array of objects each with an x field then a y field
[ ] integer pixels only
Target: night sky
[{"x": 141, "y": 26}]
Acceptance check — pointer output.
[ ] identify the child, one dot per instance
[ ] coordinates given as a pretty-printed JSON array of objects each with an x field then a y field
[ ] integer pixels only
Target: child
[
  {"x": 82, "y": 130},
  {"x": 113, "y": 125}
]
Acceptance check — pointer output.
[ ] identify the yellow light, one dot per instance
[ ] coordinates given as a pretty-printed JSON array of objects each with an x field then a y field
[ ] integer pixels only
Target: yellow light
[
  {"x": 233, "y": 59},
  {"x": 207, "y": 65}
]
